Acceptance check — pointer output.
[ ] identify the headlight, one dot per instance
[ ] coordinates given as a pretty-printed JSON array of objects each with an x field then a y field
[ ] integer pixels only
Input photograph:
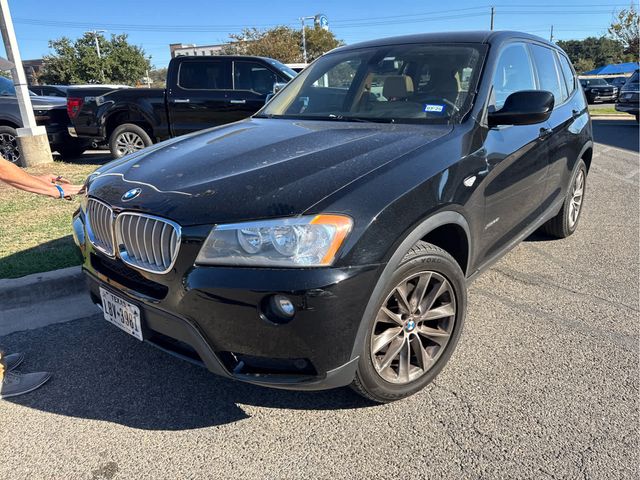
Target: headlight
[{"x": 310, "y": 241}]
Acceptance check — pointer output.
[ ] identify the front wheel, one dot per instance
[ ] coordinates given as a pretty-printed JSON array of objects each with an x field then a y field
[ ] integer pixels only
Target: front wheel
[
  {"x": 415, "y": 328},
  {"x": 9, "y": 145},
  {"x": 128, "y": 138}
]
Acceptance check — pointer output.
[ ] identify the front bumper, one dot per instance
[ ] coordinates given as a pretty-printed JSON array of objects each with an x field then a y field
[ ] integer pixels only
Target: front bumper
[
  {"x": 215, "y": 316},
  {"x": 633, "y": 108}
]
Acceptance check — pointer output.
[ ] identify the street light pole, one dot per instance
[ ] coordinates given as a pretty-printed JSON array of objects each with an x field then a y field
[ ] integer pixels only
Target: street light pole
[
  {"x": 95, "y": 38},
  {"x": 304, "y": 38},
  {"x": 33, "y": 143}
]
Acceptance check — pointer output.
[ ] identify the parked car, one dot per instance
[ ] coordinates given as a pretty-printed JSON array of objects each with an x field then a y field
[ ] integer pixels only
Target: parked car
[
  {"x": 49, "y": 111},
  {"x": 628, "y": 98},
  {"x": 62, "y": 90},
  {"x": 617, "y": 82},
  {"x": 329, "y": 239},
  {"x": 201, "y": 92},
  {"x": 297, "y": 67},
  {"x": 598, "y": 90},
  {"x": 50, "y": 90}
]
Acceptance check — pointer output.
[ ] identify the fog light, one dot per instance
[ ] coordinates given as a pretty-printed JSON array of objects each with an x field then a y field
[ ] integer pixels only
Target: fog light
[
  {"x": 284, "y": 306},
  {"x": 277, "y": 309}
]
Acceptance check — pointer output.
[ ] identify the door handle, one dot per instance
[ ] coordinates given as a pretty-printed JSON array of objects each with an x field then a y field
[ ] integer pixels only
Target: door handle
[
  {"x": 238, "y": 101},
  {"x": 545, "y": 132},
  {"x": 575, "y": 113},
  {"x": 181, "y": 100}
]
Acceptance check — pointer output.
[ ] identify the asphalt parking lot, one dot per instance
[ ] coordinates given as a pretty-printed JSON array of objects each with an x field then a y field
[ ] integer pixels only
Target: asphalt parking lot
[{"x": 544, "y": 383}]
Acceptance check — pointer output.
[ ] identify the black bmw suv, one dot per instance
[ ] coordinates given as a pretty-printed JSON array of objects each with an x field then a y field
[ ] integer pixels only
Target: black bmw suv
[{"x": 329, "y": 239}]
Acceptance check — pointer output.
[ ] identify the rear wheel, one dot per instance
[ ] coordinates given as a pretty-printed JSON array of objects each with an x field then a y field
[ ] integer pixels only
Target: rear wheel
[
  {"x": 566, "y": 221},
  {"x": 128, "y": 138},
  {"x": 416, "y": 327},
  {"x": 9, "y": 144}
]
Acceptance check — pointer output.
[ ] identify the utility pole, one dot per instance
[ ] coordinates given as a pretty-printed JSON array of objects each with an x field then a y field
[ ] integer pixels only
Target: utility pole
[
  {"x": 95, "y": 34},
  {"x": 551, "y": 36},
  {"x": 492, "y": 14},
  {"x": 33, "y": 143}
]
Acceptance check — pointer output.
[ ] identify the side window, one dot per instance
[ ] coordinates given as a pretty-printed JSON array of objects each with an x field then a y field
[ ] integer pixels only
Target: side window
[
  {"x": 205, "y": 75},
  {"x": 548, "y": 74},
  {"x": 567, "y": 71},
  {"x": 253, "y": 76},
  {"x": 513, "y": 73},
  {"x": 340, "y": 76}
]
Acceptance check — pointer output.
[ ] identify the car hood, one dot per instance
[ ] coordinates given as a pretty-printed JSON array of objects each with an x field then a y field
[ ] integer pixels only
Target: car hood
[{"x": 257, "y": 168}]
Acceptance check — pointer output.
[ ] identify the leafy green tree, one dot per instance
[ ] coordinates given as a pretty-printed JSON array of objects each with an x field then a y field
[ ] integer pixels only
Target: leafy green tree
[
  {"x": 282, "y": 43},
  {"x": 593, "y": 52},
  {"x": 77, "y": 61},
  {"x": 159, "y": 77},
  {"x": 626, "y": 29}
]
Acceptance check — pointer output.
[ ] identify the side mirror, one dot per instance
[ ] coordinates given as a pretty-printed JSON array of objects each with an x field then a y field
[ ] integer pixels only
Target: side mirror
[
  {"x": 278, "y": 86},
  {"x": 525, "y": 107}
]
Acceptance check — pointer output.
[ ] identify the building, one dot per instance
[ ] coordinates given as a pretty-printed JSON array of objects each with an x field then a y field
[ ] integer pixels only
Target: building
[
  {"x": 32, "y": 70},
  {"x": 179, "y": 49}
]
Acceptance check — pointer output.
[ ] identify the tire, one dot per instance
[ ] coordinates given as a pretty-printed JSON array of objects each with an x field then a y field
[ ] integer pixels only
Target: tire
[
  {"x": 128, "y": 138},
  {"x": 427, "y": 344},
  {"x": 9, "y": 149},
  {"x": 566, "y": 221},
  {"x": 71, "y": 151}
]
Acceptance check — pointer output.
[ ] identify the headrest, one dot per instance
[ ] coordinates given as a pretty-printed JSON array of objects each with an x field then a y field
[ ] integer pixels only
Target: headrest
[{"x": 397, "y": 86}]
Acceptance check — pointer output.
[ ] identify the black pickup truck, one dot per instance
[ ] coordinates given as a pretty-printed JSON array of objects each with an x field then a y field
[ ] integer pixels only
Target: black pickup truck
[{"x": 201, "y": 92}]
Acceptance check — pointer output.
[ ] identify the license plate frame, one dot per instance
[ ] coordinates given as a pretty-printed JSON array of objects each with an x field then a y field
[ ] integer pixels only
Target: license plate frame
[{"x": 122, "y": 313}]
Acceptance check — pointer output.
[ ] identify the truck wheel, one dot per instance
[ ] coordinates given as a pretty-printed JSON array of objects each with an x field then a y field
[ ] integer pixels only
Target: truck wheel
[
  {"x": 9, "y": 145},
  {"x": 415, "y": 328},
  {"x": 128, "y": 138},
  {"x": 566, "y": 221}
]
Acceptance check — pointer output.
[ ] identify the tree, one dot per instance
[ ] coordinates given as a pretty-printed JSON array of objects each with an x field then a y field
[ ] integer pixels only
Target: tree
[
  {"x": 593, "y": 52},
  {"x": 159, "y": 77},
  {"x": 282, "y": 43},
  {"x": 626, "y": 29},
  {"x": 77, "y": 61}
]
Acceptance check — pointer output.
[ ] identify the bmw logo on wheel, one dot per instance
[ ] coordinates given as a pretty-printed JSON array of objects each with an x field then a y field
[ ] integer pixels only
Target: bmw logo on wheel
[{"x": 131, "y": 194}]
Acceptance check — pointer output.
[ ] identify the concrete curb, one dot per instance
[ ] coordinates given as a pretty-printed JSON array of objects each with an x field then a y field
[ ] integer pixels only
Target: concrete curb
[
  {"x": 613, "y": 117},
  {"x": 43, "y": 299}
]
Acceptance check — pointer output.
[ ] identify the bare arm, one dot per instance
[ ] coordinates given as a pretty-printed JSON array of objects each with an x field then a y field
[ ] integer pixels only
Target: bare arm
[{"x": 18, "y": 178}]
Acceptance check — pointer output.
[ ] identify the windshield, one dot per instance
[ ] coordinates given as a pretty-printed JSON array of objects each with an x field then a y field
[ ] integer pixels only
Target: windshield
[
  {"x": 288, "y": 71},
  {"x": 415, "y": 83}
]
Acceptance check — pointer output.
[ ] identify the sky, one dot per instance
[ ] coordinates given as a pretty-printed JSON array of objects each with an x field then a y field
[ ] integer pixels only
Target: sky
[{"x": 154, "y": 24}]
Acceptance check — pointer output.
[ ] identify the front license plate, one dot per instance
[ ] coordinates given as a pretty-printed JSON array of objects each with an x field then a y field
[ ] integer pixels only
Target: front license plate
[{"x": 122, "y": 314}]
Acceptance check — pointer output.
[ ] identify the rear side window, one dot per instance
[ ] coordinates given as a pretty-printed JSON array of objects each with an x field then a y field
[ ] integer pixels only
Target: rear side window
[
  {"x": 548, "y": 74},
  {"x": 513, "y": 73},
  {"x": 205, "y": 75},
  {"x": 254, "y": 77},
  {"x": 567, "y": 72}
]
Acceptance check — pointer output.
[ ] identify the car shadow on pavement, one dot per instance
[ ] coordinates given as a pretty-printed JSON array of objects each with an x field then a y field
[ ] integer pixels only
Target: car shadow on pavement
[
  {"x": 100, "y": 373},
  {"x": 90, "y": 157},
  {"x": 622, "y": 133}
]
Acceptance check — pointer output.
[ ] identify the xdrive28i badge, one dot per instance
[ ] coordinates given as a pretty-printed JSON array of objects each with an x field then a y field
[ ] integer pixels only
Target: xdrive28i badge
[{"x": 131, "y": 194}]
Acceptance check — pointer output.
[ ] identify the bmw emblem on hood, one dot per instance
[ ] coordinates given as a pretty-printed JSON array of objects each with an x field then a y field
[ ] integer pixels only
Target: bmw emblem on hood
[{"x": 131, "y": 194}]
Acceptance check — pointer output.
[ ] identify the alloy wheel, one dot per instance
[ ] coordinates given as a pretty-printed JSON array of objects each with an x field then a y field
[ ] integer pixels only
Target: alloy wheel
[
  {"x": 129, "y": 142},
  {"x": 576, "y": 198},
  {"x": 9, "y": 147},
  {"x": 413, "y": 327}
]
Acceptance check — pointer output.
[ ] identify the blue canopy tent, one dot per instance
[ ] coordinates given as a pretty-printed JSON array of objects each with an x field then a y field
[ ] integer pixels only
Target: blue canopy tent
[{"x": 617, "y": 69}]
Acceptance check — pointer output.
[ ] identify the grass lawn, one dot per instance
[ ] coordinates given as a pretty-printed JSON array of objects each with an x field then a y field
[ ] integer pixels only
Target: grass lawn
[
  {"x": 35, "y": 231},
  {"x": 606, "y": 111}
]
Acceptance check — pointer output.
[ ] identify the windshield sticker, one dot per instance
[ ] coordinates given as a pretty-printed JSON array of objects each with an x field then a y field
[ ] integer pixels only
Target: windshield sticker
[{"x": 431, "y": 108}]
